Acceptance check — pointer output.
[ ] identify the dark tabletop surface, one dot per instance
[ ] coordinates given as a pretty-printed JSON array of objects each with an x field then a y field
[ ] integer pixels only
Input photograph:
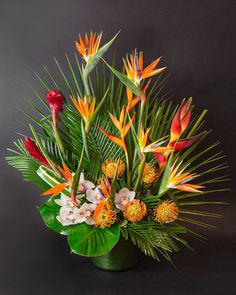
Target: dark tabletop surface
[{"x": 197, "y": 42}]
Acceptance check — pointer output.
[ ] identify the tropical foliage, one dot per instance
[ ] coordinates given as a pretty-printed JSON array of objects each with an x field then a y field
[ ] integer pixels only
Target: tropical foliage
[{"x": 116, "y": 156}]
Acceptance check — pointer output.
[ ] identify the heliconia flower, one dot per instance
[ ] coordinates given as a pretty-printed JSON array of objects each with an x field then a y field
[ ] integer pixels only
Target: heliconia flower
[
  {"x": 135, "y": 210},
  {"x": 95, "y": 196},
  {"x": 84, "y": 185},
  {"x": 181, "y": 120},
  {"x": 179, "y": 180},
  {"x": 179, "y": 124},
  {"x": 58, "y": 188},
  {"x": 123, "y": 197},
  {"x": 83, "y": 107},
  {"x": 55, "y": 100},
  {"x": 86, "y": 213},
  {"x": 166, "y": 212},
  {"x": 123, "y": 129},
  {"x": 184, "y": 143},
  {"x": 153, "y": 147},
  {"x": 161, "y": 159},
  {"x": 89, "y": 46},
  {"x": 35, "y": 152},
  {"x": 134, "y": 67}
]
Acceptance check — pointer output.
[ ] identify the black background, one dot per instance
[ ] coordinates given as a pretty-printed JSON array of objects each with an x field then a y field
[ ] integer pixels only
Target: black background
[{"x": 197, "y": 42}]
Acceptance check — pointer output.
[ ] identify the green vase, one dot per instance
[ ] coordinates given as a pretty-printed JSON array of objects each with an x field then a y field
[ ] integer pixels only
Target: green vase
[{"x": 122, "y": 257}]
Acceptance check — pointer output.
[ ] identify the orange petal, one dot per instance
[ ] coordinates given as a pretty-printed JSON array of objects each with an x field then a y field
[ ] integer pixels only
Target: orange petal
[
  {"x": 55, "y": 190},
  {"x": 153, "y": 73},
  {"x": 115, "y": 121},
  {"x": 126, "y": 128},
  {"x": 113, "y": 138},
  {"x": 191, "y": 188},
  {"x": 99, "y": 208}
]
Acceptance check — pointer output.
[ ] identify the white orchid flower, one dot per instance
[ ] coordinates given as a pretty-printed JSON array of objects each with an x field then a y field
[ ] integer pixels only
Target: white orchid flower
[
  {"x": 84, "y": 185},
  {"x": 65, "y": 201},
  {"x": 86, "y": 213},
  {"x": 95, "y": 196},
  {"x": 68, "y": 215},
  {"x": 123, "y": 197}
]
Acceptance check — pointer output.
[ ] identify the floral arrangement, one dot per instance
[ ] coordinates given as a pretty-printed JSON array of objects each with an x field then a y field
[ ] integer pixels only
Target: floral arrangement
[{"x": 116, "y": 157}]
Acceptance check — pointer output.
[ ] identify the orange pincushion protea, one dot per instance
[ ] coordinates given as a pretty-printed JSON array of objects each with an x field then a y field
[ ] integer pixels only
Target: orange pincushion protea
[
  {"x": 135, "y": 210},
  {"x": 110, "y": 166},
  {"x": 149, "y": 173},
  {"x": 166, "y": 212},
  {"x": 104, "y": 218}
]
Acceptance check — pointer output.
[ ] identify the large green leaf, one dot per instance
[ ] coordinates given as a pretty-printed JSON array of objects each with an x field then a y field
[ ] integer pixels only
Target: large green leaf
[
  {"x": 87, "y": 240},
  {"x": 49, "y": 212}
]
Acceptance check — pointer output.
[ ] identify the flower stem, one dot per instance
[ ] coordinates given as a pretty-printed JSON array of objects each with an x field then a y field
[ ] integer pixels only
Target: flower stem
[
  {"x": 76, "y": 178},
  {"x": 140, "y": 174},
  {"x": 128, "y": 169}
]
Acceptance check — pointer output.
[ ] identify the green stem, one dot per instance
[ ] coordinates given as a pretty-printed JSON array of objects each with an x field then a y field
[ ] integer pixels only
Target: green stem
[
  {"x": 128, "y": 169},
  {"x": 140, "y": 174},
  {"x": 139, "y": 126},
  {"x": 76, "y": 178},
  {"x": 59, "y": 143},
  {"x": 86, "y": 85}
]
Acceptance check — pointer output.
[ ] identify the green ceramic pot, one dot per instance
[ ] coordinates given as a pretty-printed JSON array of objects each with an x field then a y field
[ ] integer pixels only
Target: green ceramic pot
[{"x": 122, "y": 257}]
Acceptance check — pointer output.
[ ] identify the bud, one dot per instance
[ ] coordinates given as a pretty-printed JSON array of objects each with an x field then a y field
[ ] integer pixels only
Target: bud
[
  {"x": 55, "y": 100},
  {"x": 35, "y": 152}
]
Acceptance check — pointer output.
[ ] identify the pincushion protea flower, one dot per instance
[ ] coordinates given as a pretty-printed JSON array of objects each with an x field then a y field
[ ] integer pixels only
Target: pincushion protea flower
[
  {"x": 98, "y": 167},
  {"x": 104, "y": 218},
  {"x": 135, "y": 210},
  {"x": 112, "y": 167},
  {"x": 149, "y": 173},
  {"x": 166, "y": 212}
]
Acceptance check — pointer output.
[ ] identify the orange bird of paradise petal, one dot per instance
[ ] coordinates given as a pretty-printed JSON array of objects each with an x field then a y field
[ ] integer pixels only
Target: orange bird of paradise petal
[
  {"x": 134, "y": 67},
  {"x": 83, "y": 107},
  {"x": 117, "y": 140},
  {"x": 190, "y": 188},
  {"x": 58, "y": 188},
  {"x": 55, "y": 190},
  {"x": 179, "y": 180},
  {"x": 89, "y": 46},
  {"x": 65, "y": 172}
]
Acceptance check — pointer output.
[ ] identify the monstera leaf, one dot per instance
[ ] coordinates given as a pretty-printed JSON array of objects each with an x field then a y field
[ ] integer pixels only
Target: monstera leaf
[{"x": 87, "y": 240}]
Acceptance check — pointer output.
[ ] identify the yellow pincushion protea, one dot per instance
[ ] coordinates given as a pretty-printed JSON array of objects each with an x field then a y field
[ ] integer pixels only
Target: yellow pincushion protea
[
  {"x": 149, "y": 173},
  {"x": 166, "y": 212},
  {"x": 135, "y": 210},
  {"x": 105, "y": 218},
  {"x": 110, "y": 165}
]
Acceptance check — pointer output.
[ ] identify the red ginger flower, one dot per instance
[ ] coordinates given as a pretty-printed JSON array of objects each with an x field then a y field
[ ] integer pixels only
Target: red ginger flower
[
  {"x": 55, "y": 100},
  {"x": 179, "y": 123},
  {"x": 35, "y": 152}
]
